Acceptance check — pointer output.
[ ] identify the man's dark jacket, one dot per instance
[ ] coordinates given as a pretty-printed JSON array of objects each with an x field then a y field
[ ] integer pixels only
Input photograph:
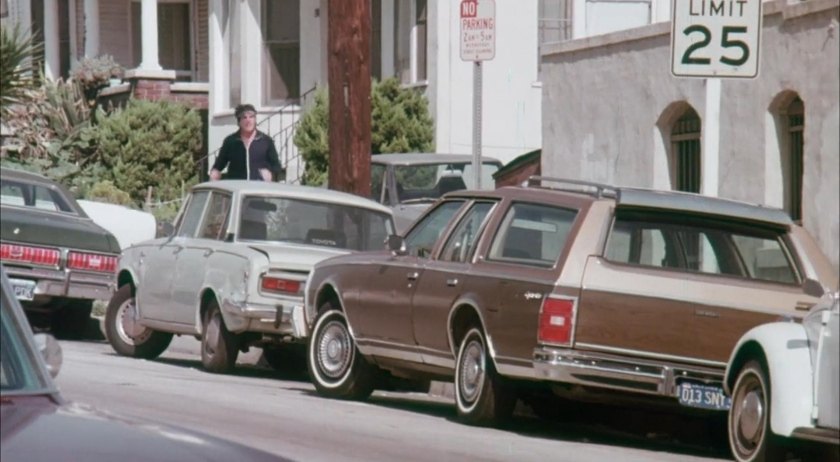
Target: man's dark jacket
[{"x": 262, "y": 154}]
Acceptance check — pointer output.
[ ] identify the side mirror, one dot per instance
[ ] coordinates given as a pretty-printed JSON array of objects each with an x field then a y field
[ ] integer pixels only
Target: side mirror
[
  {"x": 813, "y": 288},
  {"x": 396, "y": 244},
  {"x": 51, "y": 352}
]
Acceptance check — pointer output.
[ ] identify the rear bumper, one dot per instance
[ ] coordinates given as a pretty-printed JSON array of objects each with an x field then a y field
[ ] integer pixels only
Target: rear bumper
[
  {"x": 284, "y": 317},
  {"x": 51, "y": 282},
  {"x": 619, "y": 372}
]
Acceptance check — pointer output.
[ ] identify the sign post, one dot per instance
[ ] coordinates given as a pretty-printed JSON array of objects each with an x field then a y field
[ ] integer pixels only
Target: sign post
[{"x": 478, "y": 43}]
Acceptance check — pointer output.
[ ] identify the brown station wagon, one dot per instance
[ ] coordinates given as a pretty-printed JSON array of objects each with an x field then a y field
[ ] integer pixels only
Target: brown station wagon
[{"x": 564, "y": 286}]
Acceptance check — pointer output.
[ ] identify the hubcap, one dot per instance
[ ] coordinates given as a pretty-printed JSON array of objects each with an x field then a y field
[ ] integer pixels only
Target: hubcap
[
  {"x": 472, "y": 371},
  {"x": 334, "y": 350},
  {"x": 751, "y": 415},
  {"x": 129, "y": 330},
  {"x": 748, "y": 418},
  {"x": 211, "y": 335}
]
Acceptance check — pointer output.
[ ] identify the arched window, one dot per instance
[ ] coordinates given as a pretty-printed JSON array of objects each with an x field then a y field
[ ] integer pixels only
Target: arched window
[
  {"x": 685, "y": 149},
  {"x": 795, "y": 114}
]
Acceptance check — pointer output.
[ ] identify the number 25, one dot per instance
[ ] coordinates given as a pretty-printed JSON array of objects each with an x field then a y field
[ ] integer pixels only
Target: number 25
[{"x": 725, "y": 42}]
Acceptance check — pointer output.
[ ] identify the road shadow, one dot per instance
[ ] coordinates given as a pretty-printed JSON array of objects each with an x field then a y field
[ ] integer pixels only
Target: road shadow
[{"x": 241, "y": 370}]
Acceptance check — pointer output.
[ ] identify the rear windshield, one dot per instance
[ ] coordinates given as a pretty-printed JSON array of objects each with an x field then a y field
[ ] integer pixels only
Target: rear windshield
[
  {"x": 315, "y": 223},
  {"x": 34, "y": 196}
]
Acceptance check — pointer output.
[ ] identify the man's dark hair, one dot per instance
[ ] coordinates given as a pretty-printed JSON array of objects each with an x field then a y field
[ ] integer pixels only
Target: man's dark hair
[{"x": 242, "y": 109}]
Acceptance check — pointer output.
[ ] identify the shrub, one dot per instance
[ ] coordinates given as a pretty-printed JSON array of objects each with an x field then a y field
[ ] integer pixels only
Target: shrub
[
  {"x": 147, "y": 143},
  {"x": 106, "y": 191},
  {"x": 17, "y": 48},
  {"x": 400, "y": 122},
  {"x": 94, "y": 74}
]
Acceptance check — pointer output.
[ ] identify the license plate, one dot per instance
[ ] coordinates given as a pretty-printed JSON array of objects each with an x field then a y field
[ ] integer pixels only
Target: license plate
[
  {"x": 24, "y": 289},
  {"x": 703, "y": 396}
]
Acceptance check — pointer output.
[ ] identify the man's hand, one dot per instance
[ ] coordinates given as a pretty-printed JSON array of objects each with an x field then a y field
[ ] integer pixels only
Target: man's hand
[
  {"x": 265, "y": 174},
  {"x": 215, "y": 175}
]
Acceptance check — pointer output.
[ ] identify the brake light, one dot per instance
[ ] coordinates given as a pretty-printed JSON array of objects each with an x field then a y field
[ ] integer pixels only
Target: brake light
[
  {"x": 29, "y": 254},
  {"x": 274, "y": 284},
  {"x": 91, "y": 262},
  {"x": 556, "y": 321}
]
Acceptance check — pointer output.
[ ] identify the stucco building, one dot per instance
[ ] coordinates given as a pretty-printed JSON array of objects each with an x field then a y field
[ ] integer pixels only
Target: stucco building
[{"x": 612, "y": 112}]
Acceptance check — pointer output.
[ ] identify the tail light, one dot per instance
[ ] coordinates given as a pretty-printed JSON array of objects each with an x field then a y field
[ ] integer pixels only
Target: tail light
[
  {"x": 91, "y": 262},
  {"x": 557, "y": 317},
  {"x": 280, "y": 285},
  {"x": 28, "y": 254}
]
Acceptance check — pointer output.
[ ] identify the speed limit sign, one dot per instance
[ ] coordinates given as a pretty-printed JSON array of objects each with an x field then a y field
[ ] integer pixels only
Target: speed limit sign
[{"x": 715, "y": 38}]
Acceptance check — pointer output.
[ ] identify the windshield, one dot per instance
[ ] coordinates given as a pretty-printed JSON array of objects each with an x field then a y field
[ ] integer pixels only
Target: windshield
[
  {"x": 20, "y": 371},
  {"x": 315, "y": 223},
  {"x": 430, "y": 181}
]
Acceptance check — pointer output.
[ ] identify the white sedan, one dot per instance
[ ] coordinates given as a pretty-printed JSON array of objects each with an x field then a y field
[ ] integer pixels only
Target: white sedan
[
  {"x": 233, "y": 272},
  {"x": 784, "y": 380}
]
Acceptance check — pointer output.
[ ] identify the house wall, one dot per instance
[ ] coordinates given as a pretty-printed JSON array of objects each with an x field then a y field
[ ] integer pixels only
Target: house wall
[{"x": 605, "y": 97}]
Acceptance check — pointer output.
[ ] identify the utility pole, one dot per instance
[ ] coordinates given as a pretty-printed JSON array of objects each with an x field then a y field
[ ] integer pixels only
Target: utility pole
[{"x": 349, "y": 94}]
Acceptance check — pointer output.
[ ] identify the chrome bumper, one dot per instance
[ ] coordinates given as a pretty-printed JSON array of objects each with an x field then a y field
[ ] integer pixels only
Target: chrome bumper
[
  {"x": 285, "y": 317},
  {"x": 618, "y": 372},
  {"x": 66, "y": 283}
]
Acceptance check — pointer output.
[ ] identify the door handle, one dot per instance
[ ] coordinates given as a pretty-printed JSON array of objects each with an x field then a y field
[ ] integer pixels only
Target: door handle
[
  {"x": 452, "y": 282},
  {"x": 413, "y": 276}
]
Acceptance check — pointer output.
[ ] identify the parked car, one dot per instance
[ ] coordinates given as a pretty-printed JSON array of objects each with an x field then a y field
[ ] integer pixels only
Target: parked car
[
  {"x": 59, "y": 261},
  {"x": 39, "y": 424},
  {"x": 784, "y": 379},
  {"x": 410, "y": 183},
  {"x": 581, "y": 289},
  {"x": 233, "y": 271}
]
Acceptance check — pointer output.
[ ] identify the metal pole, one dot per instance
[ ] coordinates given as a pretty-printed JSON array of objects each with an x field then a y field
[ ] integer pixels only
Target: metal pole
[{"x": 476, "y": 161}]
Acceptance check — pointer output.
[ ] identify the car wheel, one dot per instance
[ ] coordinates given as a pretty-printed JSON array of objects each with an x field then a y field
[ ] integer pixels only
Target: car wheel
[
  {"x": 127, "y": 336},
  {"x": 72, "y": 321},
  {"x": 336, "y": 367},
  {"x": 218, "y": 345},
  {"x": 750, "y": 437},
  {"x": 480, "y": 394}
]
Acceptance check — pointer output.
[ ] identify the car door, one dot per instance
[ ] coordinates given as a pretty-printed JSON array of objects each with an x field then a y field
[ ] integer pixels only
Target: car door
[
  {"x": 827, "y": 376},
  {"x": 444, "y": 280},
  {"x": 384, "y": 305},
  {"x": 192, "y": 261},
  {"x": 154, "y": 294}
]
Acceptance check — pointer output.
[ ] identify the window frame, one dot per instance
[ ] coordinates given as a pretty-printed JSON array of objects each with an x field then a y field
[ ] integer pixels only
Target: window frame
[
  {"x": 469, "y": 256},
  {"x": 220, "y": 235},
  {"x": 267, "y": 65}
]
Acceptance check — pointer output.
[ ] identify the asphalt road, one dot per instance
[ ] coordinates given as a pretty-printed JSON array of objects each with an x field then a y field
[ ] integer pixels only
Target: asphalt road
[{"x": 283, "y": 415}]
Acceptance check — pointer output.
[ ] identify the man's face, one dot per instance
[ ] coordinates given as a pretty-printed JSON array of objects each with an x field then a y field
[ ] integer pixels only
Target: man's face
[{"x": 248, "y": 121}]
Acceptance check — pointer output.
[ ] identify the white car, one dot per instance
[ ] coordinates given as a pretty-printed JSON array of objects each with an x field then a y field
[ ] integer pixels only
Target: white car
[
  {"x": 233, "y": 272},
  {"x": 784, "y": 379}
]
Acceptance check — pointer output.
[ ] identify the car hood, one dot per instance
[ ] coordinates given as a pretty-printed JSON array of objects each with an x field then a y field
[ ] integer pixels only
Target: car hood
[
  {"x": 35, "y": 428},
  {"x": 55, "y": 229},
  {"x": 296, "y": 257}
]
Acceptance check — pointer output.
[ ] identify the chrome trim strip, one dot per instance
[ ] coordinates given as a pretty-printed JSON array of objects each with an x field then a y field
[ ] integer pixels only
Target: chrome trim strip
[
  {"x": 821, "y": 435},
  {"x": 647, "y": 354},
  {"x": 368, "y": 348}
]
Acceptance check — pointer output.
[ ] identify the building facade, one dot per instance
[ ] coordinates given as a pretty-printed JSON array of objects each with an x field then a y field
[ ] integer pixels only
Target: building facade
[{"x": 613, "y": 113}]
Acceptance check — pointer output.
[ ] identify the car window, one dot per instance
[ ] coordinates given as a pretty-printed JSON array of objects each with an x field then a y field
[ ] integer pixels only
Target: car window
[
  {"x": 431, "y": 181},
  {"x": 377, "y": 181},
  {"x": 460, "y": 245},
  {"x": 697, "y": 246},
  {"x": 317, "y": 223},
  {"x": 37, "y": 196},
  {"x": 217, "y": 216},
  {"x": 532, "y": 234},
  {"x": 421, "y": 239},
  {"x": 192, "y": 215}
]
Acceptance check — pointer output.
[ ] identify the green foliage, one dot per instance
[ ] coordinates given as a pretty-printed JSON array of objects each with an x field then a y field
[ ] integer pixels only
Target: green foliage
[
  {"x": 51, "y": 131},
  {"x": 148, "y": 143},
  {"x": 94, "y": 74},
  {"x": 106, "y": 191},
  {"x": 400, "y": 122},
  {"x": 17, "y": 48}
]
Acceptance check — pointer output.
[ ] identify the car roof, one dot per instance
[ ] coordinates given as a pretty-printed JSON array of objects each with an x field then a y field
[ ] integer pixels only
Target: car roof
[
  {"x": 641, "y": 198},
  {"x": 293, "y": 190},
  {"x": 24, "y": 175},
  {"x": 426, "y": 158},
  {"x": 35, "y": 178}
]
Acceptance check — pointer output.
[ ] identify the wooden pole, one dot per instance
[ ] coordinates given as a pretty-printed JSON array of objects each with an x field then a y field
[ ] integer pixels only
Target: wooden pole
[{"x": 349, "y": 93}]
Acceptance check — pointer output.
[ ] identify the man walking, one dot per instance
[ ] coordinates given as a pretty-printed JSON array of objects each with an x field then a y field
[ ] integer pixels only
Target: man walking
[{"x": 248, "y": 154}]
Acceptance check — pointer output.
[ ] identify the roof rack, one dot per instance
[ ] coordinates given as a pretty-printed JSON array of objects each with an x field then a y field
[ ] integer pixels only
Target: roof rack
[{"x": 601, "y": 190}]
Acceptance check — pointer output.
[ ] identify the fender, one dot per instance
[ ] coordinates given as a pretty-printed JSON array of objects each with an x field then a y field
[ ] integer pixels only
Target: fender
[
  {"x": 469, "y": 300},
  {"x": 311, "y": 310},
  {"x": 790, "y": 372}
]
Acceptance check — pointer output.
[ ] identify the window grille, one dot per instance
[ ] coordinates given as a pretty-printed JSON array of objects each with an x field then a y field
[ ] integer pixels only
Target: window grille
[{"x": 685, "y": 139}]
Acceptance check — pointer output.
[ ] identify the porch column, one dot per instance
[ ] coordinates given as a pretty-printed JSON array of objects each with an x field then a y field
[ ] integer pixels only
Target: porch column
[
  {"x": 149, "y": 28},
  {"x": 52, "y": 60},
  {"x": 91, "y": 28},
  {"x": 250, "y": 52}
]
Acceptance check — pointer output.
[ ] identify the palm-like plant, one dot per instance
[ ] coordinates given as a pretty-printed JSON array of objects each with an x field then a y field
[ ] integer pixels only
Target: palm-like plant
[{"x": 17, "y": 50}]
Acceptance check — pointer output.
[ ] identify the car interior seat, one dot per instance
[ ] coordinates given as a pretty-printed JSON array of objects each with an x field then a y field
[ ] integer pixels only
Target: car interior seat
[{"x": 251, "y": 229}]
